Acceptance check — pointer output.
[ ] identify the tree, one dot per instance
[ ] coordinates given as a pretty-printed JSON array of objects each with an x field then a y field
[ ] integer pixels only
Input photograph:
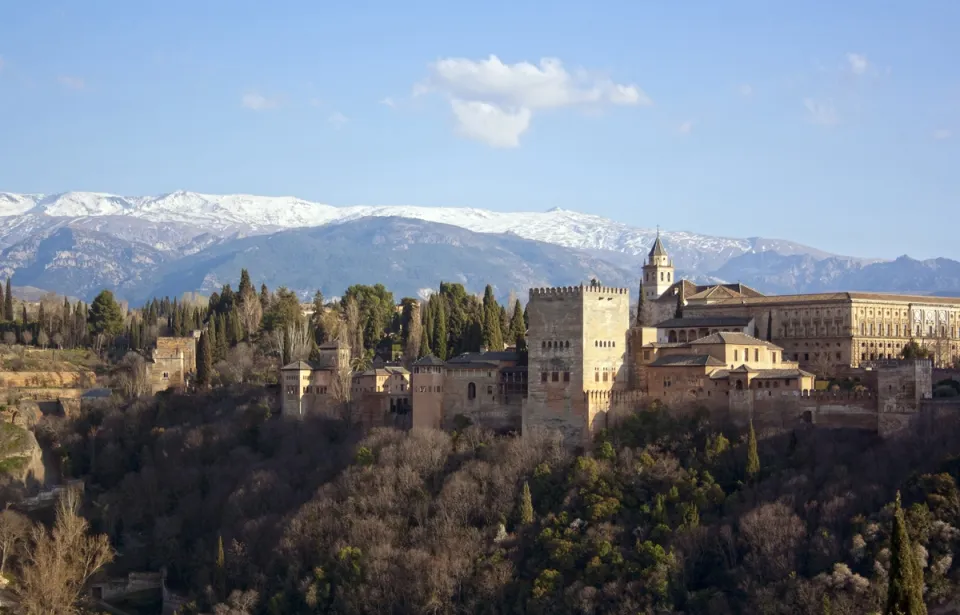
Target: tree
[
  {"x": 526, "y": 505},
  {"x": 770, "y": 327},
  {"x": 14, "y": 531},
  {"x": 354, "y": 327},
  {"x": 678, "y": 313},
  {"x": 245, "y": 289},
  {"x": 221, "y": 571},
  {"x": 905, "y": 584},
  {"x": 641, "y": 308},
  {"x": 753, "y": 457},
  {"x": 8, "y": 302},
  {"x": 26, "y": 337},
  {"x": 413, "y": 346},
  {"x": 105, "y": 317},
  {"x": 913, "y": 350},
  {"x": 204, "y": 360},
  {"x": 518, "y": 328},
  {"x": 439, "y": 329},
  {"x": 251, "y": 313},
  {"x": 492, "y": 335},
  {"x": 60, "y": 562}
]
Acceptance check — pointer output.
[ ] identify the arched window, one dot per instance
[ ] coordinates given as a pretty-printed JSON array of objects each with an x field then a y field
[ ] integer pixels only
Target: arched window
[
  {"x": 471, "y": 391},
  {"x": 739, "y": 385},
  {"x": 672, "y": 337}
]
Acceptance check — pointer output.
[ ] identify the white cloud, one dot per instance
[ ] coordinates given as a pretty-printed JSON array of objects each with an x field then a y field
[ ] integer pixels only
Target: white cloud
[
  {"x": 489, "y": 123},
  {"x": 858, "y": 63},
  {"x": 822, "y": 113},
  {"x": 337, "y": 119},
  {"x": 686, "y": 127},
  {"x": 72, "y": 83},
  {"x": 494, "y": 102},
  {"x": 942, "y": 133},
  {"x": 256, "y": 101},
  {"x": 746, "y": 90},
  {"x": 388, "y": 101}
]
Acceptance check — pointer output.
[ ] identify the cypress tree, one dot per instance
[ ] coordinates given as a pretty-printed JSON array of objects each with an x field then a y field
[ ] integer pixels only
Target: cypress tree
[
  {"x": 212, "y": 337},
  {"x": 641, "y": 308},
  {"x": 678, "y": 313},
  {"x": 223, "y": 341},
  {"x": 41, "y": 316},
  {"x": 264, "y": 298},
  {"x": 770, "y": 327},
  {"x": 492, "y": 335},
  {"x": 221, "y": 571},
  {"x": 2, "y": 302},
  {"x": 424, "y": 349},
  {"x": 204, "y": 360},
  {"x": 518, "y": 329},
  {"x": 905, "y": 588},
  {"x": 8, "y": 302},
  {"x": 135, "y": 336},
  {"x": 753, "y": 457},
  {"x": 526, "y": 505},
  {"x": 23, "y": 316},
  {"x": 287, "y": 343},
  {"x": 246, "y": 287},
  {"x": 440, "y": 330}
]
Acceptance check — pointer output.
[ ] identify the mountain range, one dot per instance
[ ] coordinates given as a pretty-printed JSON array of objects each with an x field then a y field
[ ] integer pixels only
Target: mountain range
[{"x": 78, "y": 243}]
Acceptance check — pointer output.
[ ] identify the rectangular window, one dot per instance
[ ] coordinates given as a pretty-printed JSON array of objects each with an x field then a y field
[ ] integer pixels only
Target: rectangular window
[
  {"x": 555, "y": 377},
  {"x": 806, "y": 356},
  {"x": 756, "y": 355},
  {"x": 543, "y": 376},
  {"x": 736, "y": 355},
  {"x": 596, "y": 376},
  {"x": 605, "y": 376},
  {"x": 646, "y": 355},
  {"x": 566, "y": 376}
]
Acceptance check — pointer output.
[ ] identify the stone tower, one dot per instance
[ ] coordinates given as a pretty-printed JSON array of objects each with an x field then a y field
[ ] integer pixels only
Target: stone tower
[
  {"x": 576, "y": 344},
  {"x": 657, "y": 272},
  {"x": 426, "y": 384}
]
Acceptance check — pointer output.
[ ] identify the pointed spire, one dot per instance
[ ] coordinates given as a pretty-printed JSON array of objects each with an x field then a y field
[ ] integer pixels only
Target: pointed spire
[{"x": 657, "y": 249}]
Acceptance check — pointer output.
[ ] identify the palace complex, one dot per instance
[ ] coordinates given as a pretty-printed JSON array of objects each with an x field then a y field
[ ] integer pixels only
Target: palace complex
[{"x": 591, "y": 357}]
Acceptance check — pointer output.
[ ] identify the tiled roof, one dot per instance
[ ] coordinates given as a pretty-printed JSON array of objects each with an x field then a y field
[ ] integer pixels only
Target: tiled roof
[
  {"x": 657, "y": 249},
  {"x": 428, "y": 360},
  {"x": 706, "y": 321},
  {"x": 493, "y": 355},
  {"x": 299, "y": 365},
  {"x": 733, "y": 337},
  {"x": 775, "y": 374},
  {"x": 687, "y": 360}
]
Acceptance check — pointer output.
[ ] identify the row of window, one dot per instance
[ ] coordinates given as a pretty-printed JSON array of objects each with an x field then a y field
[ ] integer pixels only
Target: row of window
[
  {"x": 663, "y": 278},
  {"x": 554, "y": 376},
  {"x": 555, "y": 344},
  {"x": 604, "y": 344}
]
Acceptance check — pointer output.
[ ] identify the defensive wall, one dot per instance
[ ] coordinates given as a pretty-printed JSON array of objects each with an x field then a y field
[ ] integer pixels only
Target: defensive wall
[{"x": 44, "y": 379}]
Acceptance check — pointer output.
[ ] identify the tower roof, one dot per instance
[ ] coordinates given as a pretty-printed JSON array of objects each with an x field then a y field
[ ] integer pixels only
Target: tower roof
[{"x": 657, "y": 249}]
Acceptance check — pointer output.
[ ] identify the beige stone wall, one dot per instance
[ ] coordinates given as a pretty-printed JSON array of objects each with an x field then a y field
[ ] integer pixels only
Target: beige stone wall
[
  {"x": 427, "y": 396},
  {"x": 555, "y": 342},
  {"x": 482, "y": 403},
  {"x": 168, "y": 347},
  {"x": 77, "y": 379}
]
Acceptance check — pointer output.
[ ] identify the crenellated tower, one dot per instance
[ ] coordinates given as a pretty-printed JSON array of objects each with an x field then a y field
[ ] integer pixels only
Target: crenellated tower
[{"x": 657, "y": 272}]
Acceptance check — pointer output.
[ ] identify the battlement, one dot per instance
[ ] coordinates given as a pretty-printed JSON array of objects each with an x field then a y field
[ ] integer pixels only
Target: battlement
[
  {"x": 838, "y": 395},
  {"x": 575, "y": 291},
  {"x": 617, "y": 397}
]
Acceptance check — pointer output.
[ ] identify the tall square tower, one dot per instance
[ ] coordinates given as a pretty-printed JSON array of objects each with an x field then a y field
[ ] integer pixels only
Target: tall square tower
[{"x": 577, "y": 344}]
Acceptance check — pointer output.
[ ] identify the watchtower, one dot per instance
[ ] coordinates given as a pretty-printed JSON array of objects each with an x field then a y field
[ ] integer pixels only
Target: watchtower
[{"x": 657, "y": 272}]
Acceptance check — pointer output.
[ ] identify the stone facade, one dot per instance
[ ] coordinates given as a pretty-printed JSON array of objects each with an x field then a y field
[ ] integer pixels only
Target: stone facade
[{"x": 173, "y": 362}]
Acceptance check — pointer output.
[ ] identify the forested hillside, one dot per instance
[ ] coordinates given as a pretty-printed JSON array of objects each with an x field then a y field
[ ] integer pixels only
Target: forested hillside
[{"x": 667, "y": 514}]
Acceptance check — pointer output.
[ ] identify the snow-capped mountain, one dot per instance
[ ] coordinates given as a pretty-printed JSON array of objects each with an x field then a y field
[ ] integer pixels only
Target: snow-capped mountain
[
  {"x": 172, "y": 222},
  {"x": 81, "y": 242}
]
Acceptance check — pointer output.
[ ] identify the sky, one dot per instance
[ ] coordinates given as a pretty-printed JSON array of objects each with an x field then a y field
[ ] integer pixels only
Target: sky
[{"x": 834, "y": 124}]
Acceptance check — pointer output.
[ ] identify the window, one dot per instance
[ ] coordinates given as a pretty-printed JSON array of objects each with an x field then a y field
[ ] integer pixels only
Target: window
[
  {"x": 596, "y": 376},
  {"x": 806, "y": 356},
  {"x": 555, "y": 377},
  {"x": 471, "y": 391},
  {"x": 646, "y": 355},
  {"x": 736, "y": 354},
  {"x": 774, "y": 355},
  {"x": 605, "y": 376},
  {"x": 543, "y": 376},
  {"x": 166, "y": 375},
  {"x": 756, "y": 354},
  {"x": 566, "y": 376},
  {"x": 489, "y": 389}
]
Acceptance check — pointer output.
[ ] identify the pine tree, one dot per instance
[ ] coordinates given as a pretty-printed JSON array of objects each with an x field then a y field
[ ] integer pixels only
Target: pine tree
[
  {"x": 8, "y": 302},
  {"x": 526, "y": 505},
  {"x": 492, "y": 335},
  {"x": 440, "y": 329},
  {"x": 753, "y": 457},
  {"x": 641, "y": 308},
  {"x": 264, "y": 298},
  {"x": 518, "y": 329},
  {"x": 204, "y": 360},
  {"x": 905, "y": 588},
  {"x": 246, "y": 287}
]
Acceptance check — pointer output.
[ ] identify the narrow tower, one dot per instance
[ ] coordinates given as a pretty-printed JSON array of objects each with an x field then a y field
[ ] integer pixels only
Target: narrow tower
[{"x": 658, "y": 272}]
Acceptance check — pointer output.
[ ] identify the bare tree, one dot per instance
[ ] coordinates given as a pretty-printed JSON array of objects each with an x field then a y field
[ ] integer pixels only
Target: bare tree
[
  {"x": 238, "y": 364},
  {"x": 131, "y": 375},
  {"x": 342, "y": 375},
  {"x": 14, "y": 531},
  {"x": 823, "y": 366},
  {"x": 59, "y": 563},
  {"x": 10, "y": 338},
  {"x": 26, "y": 337},
  {"x": 58, "y": 339},
  {"x": 300, "y": 338},
  {"x": 43, "y": 339},
  {"x": 238, "y": 603},
  {"x": 251, "y": 313}
]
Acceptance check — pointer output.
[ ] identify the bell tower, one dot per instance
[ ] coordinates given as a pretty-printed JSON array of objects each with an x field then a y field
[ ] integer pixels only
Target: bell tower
[{"x": 658, "y": 272}]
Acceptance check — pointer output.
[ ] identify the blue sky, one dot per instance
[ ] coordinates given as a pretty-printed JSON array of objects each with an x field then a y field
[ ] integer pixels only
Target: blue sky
[{"x": 835, "y": 124}]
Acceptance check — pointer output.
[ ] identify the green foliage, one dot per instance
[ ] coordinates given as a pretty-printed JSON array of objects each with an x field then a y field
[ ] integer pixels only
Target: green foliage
[
  {"x": 905, "y": 581},
  {"x": 492, "y": 335},
  {"x": 365, "y": 456},
  {"x": 913, "y": 350},
  {"x": 105, "y": 316},
  {"x": 526, "y": 505},
  {"x": 753, "y": 457},
  {"x": 518, "y": 328},
  {"x": 204, "y": 359},
  {"x": 376, "y": 307}
]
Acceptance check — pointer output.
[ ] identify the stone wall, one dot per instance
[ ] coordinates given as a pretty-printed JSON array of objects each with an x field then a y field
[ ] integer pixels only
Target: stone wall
[
  {"x": 487, "y": 407},
  {"x": 39, "y": 379}
]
